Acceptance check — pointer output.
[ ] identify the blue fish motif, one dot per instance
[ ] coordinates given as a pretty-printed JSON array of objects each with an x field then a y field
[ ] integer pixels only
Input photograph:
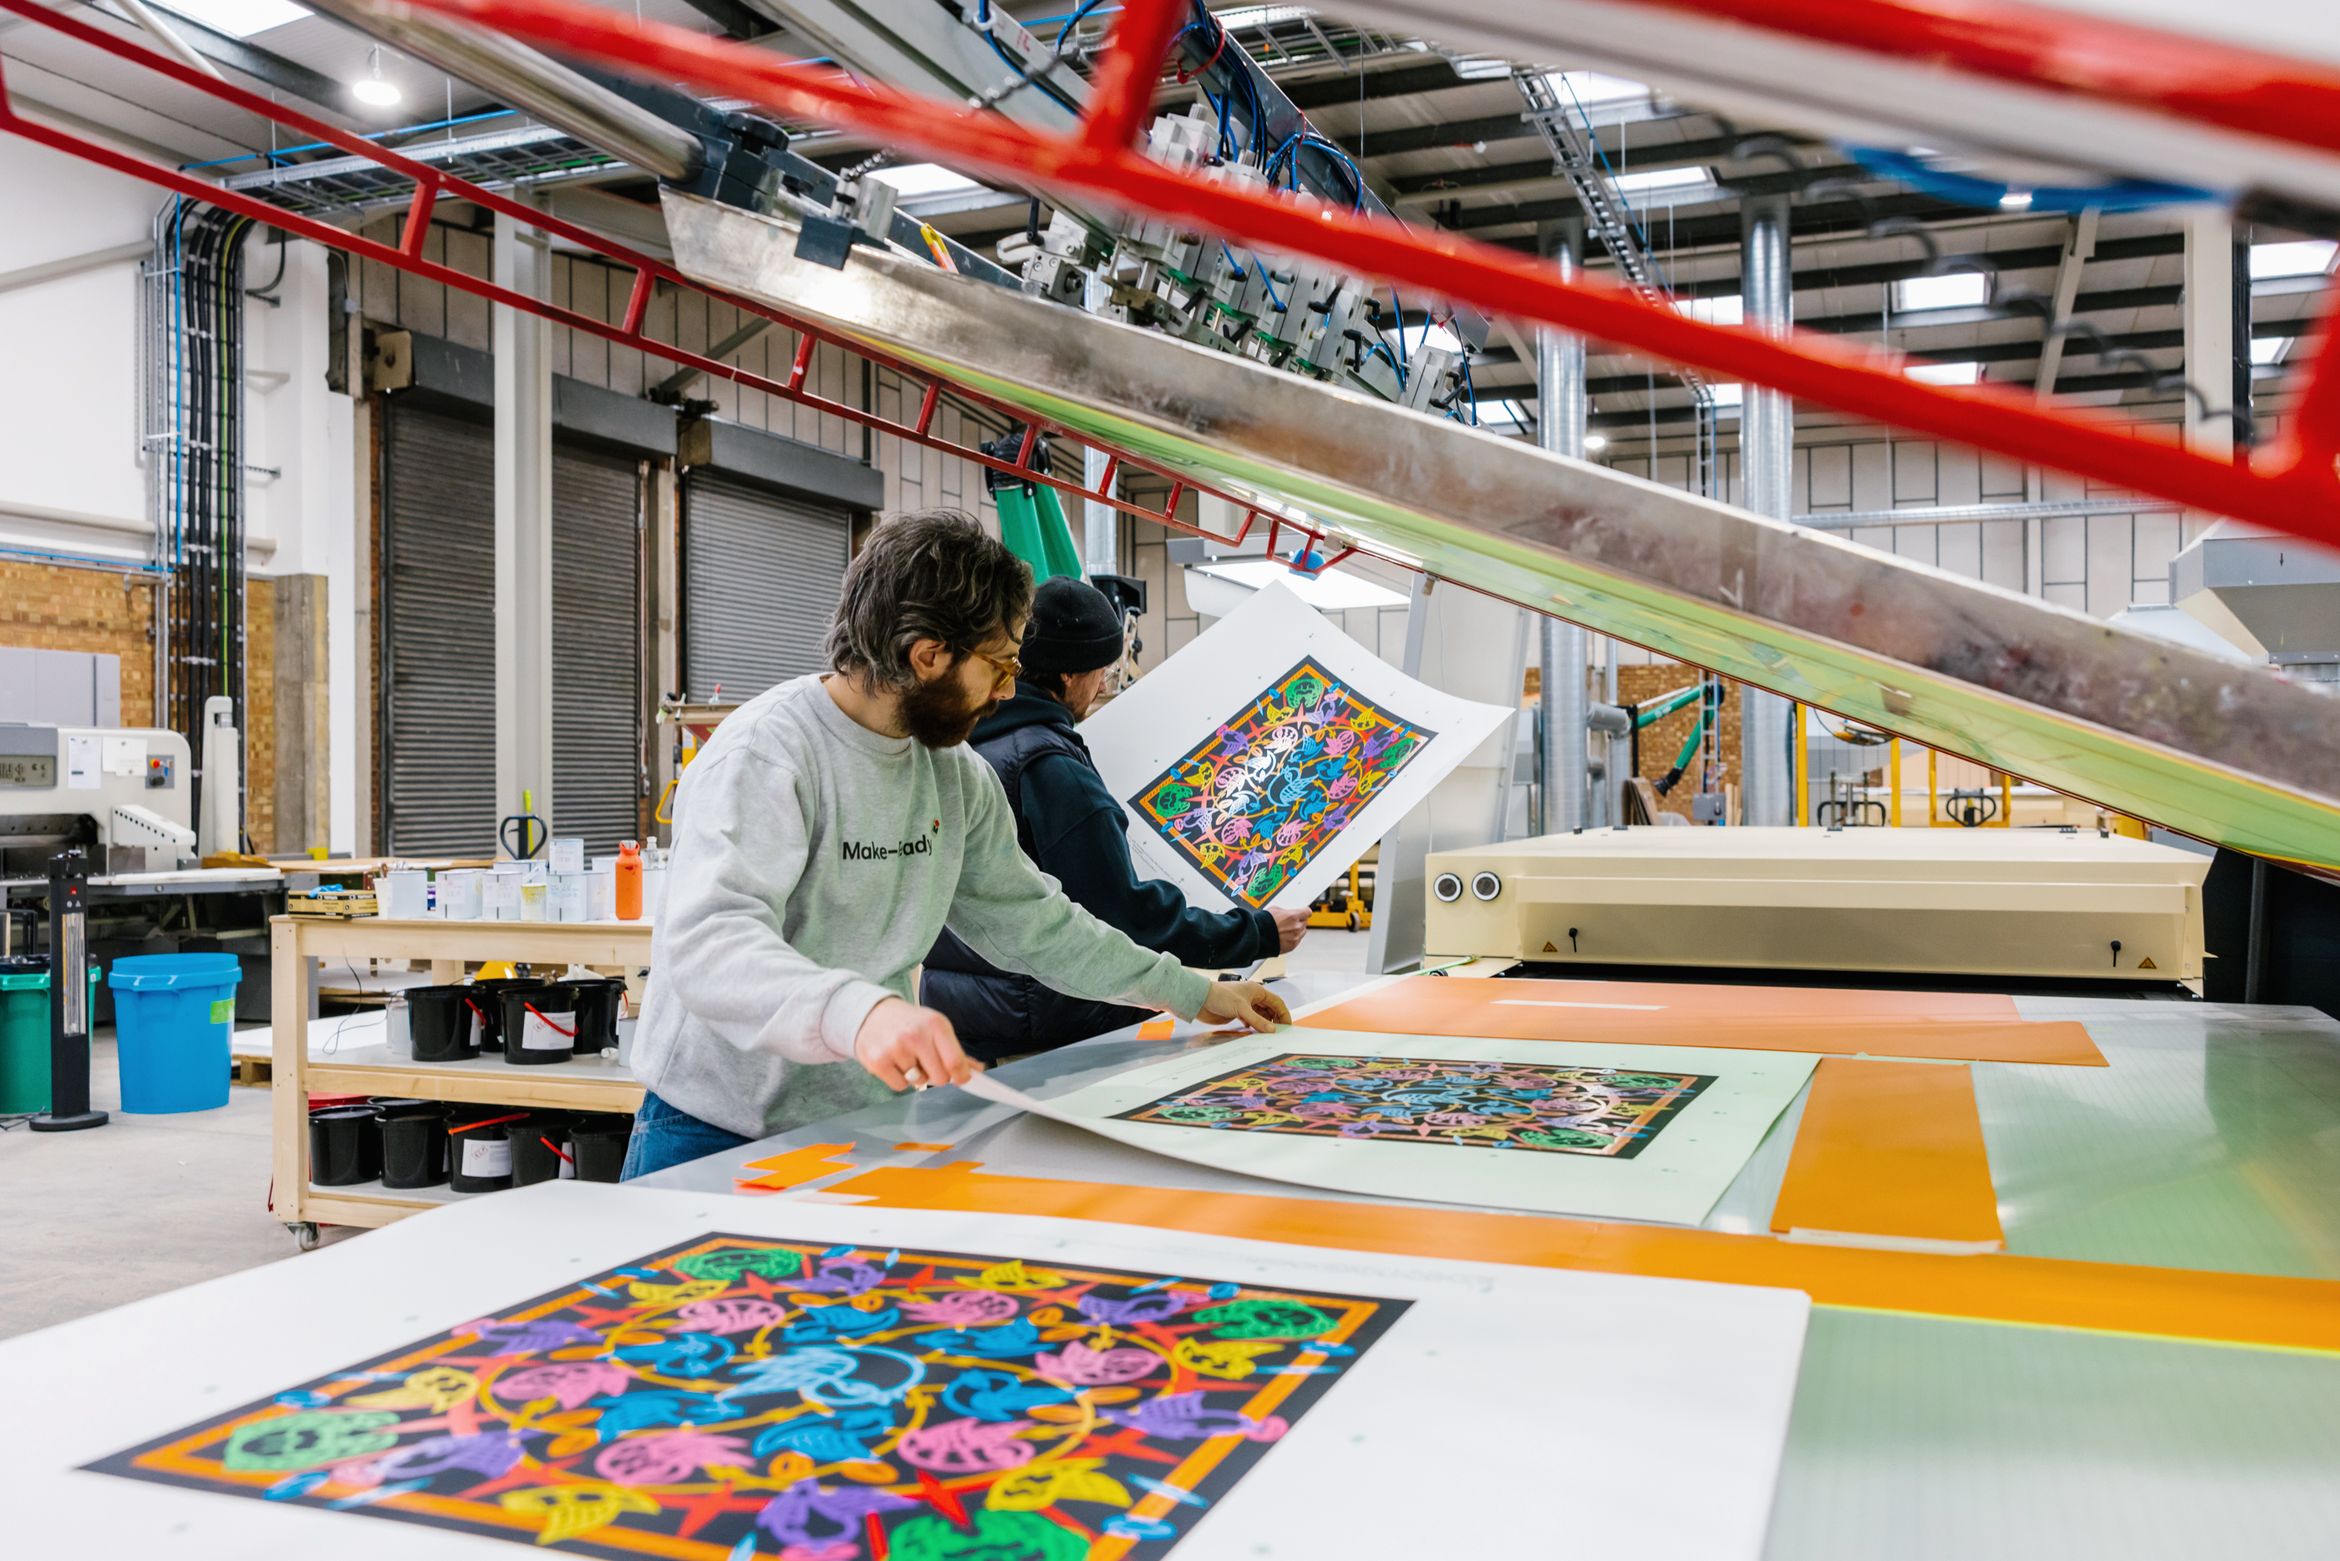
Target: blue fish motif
[
  {"x": 822, "y": 1323},
  {"x": 679, "y": 1355},
  {"x": 642, "y": 1411},
  {"x": 848, "y": 1434},
  {"x": 300, "y": 1484},
  {"x": 1001, "y": 1340},
  {"x": 1123, "y": 1526},
  {"x": 790, "y": 1372},
  {"x": 998, "y": 1396}
]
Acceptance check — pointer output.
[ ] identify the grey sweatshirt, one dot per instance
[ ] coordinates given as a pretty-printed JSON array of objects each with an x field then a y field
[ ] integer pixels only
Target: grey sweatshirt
[{"x": 814, "y": 861}]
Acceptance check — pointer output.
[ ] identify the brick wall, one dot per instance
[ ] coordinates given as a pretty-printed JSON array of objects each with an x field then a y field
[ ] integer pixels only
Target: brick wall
[
  {"x": 259, "y": 714},
  {"x": 51, "y": 607},
  {"x": 1662, "y": 739}
]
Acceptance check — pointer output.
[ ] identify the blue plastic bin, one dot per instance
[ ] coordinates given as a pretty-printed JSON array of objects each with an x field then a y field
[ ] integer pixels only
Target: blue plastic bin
[{"x": 172, "y": 1017}]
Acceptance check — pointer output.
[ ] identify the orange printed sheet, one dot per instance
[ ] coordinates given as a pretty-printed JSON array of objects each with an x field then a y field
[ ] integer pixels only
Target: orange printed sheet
[
  {"x": 2263, "y": 1310},
  {"x": 1890, "y": 1149},
  {"x": 1952, "y": 1026}
]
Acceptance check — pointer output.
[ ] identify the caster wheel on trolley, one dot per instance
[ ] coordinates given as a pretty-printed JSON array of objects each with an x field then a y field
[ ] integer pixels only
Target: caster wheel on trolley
[{"x": 305, "y": 1234}]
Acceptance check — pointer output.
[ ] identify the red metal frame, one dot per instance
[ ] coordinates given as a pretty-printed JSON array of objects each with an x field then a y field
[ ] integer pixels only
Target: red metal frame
[
  {"x": 433, "y": 184},
  {"x": 2292, "y": 487}
]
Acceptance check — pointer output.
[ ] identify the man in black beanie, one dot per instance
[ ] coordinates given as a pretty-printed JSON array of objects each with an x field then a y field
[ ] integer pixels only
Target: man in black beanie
[{"x": 1074, "y": 830}]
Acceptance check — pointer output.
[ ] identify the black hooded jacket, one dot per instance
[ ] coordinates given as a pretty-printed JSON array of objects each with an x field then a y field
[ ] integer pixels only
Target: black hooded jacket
[{"x": 1074, "y": 831}]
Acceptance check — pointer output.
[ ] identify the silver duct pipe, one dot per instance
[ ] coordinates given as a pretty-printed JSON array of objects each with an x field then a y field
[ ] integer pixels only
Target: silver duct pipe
[
  {"x": 1767, "y": 448},
  {"x": 1563, "y": 399},
  {"x": 1100, "y": 522},
  {"x": 532, "y": 82}
]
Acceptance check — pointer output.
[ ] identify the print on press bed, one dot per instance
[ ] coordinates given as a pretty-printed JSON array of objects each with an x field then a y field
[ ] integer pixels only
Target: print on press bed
[
  {"x": 737, "y": 1396},
  {"x": 1419, "y": 1100}
]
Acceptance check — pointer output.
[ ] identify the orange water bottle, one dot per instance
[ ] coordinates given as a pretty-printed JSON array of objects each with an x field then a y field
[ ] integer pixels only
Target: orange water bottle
[{"x": 629, "y": 881}]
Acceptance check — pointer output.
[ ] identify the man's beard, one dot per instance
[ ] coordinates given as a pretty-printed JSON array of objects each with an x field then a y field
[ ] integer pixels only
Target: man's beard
[{"x": 933, "y": 714}]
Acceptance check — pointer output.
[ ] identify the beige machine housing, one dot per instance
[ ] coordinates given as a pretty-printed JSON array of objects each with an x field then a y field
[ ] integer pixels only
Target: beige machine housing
[{"x": 1966, "y": 902}]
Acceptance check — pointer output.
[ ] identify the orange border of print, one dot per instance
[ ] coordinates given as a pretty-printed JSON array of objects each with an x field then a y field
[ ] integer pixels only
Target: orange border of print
[{"x": 175, "y": 1458}]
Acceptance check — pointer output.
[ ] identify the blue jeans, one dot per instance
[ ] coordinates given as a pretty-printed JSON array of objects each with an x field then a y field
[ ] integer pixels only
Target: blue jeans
[{"x": 666, "y": 1137}]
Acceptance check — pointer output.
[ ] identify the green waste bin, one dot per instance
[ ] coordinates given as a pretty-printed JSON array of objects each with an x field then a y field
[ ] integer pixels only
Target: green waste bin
[{"x": 24, "y": 1034}]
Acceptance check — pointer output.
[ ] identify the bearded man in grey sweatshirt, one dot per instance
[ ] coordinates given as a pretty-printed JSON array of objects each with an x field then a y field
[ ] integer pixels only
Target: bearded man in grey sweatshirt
[{"x": 829, "y": 830}]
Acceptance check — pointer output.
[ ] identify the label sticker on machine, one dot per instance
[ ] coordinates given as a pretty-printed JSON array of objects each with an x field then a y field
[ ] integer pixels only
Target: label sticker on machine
[
  {"x": 487, "y": 1156},
  {"x": 223, "y": 1011},
  {"x": 81, "y": 763},
  {"x": 553, "y": 1032}
]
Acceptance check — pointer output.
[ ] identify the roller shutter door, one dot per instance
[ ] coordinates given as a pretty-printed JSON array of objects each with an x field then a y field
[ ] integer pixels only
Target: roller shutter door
[
  {"x": 439, "y": 636},
  {"x": 596, "y": 647},
  {"x": 761, "y": 576}
]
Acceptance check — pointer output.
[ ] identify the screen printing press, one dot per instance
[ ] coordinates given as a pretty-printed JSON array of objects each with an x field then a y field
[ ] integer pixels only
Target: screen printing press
[
  {"x": 2139, "y": 1357},
  {"x": 2147, "y": 1364}
]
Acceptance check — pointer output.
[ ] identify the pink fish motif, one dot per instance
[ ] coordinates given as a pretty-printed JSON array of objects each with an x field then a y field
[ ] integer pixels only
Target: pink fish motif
[
  {"x": 732, "y": 1314},
  {"x": 1342, "y": 785},
  {"x": 1077, "y": 1363},
  {"x": 669, "y": 1458},
  {"x": 963, "y": 1309},
  {"x": 570, "y": 1384},
  {"x": 1290, "y": 831},
  {"x": 966, "y": 1447},
  {"x": 1235, "y": 831}
]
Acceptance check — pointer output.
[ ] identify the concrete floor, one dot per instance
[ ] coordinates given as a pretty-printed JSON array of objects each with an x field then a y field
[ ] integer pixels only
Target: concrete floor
[
  {"x": 147, "y": 1204},
  {"x": 141, "y": 1205}
]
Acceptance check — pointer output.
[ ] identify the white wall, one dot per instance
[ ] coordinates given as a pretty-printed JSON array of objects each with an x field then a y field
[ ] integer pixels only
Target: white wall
[
  {"x": 2099, "y": 564},
  {"x": 69, "y": 474}
]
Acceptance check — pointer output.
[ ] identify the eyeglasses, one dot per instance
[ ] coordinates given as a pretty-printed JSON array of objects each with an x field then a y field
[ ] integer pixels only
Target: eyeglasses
[{"x": 1004, "y": 670}]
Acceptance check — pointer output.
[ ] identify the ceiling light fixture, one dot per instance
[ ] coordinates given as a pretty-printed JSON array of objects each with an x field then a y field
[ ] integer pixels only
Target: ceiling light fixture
[
  {"x": 371, "y": 89},
  {"x": 1951, "y": 290},
  {"x": 1594, "y": 442},
  {"x": 913, "y": 181},
  {"x": 2296, "y": 257},
  {"x": 1660, "y": 186},
  {"x": 239, "y": 18}
]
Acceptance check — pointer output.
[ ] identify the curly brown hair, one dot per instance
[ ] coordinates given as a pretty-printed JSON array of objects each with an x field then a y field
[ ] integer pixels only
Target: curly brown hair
[{"x": 924, "y": 575}]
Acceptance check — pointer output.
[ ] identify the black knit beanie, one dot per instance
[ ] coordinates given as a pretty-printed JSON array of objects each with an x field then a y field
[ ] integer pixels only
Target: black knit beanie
[{"x": 1073, "y": 629}]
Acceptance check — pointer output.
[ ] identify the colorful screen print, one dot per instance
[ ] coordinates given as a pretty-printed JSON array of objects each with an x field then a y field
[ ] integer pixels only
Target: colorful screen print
[
  {"x": 1262, "y": 759},
  {"x": 1524, "y": 1106},
  {"x": 737, "y": 1396},
  {"x": 1257, "y": 800},
  {"x": 1556, "y": 1127}
]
